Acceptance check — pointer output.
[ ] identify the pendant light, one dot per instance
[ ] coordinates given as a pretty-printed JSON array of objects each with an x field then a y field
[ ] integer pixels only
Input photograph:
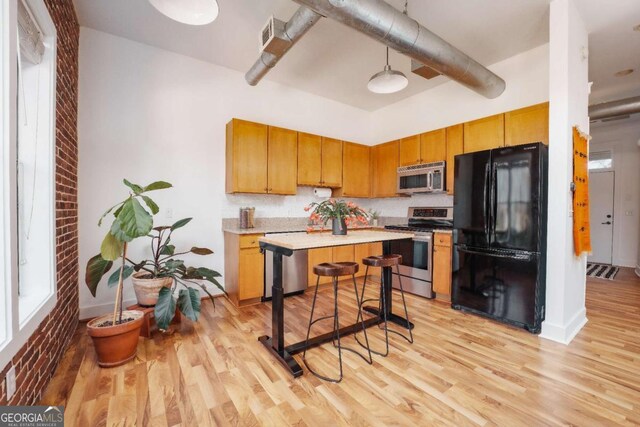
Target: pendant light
[
  {"x": 191, "y": 12},
  {"x": 387, "y": 80}
]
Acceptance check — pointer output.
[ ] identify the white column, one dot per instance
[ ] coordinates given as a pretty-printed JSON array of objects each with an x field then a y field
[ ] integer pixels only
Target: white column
[{"x": 568, "y": 106}]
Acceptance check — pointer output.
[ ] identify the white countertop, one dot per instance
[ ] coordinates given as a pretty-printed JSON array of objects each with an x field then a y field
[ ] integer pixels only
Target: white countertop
[{"x": 300, "y": 241}]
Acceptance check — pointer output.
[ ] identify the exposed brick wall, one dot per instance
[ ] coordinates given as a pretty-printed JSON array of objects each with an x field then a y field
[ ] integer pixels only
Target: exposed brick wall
[{"x": 38, "y": 358}]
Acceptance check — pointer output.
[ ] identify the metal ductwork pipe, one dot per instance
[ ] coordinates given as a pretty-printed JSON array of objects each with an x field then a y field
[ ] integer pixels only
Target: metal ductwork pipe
[
  {"x": 388, "y": 25},
  {"x": 622, "y": 107},
  {"x": 301, "y": 21}
]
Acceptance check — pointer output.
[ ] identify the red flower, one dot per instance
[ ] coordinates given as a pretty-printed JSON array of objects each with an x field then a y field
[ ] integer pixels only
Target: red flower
[
  {"x": 309, "y": 229},
  {"x": 307, "y": 208}
]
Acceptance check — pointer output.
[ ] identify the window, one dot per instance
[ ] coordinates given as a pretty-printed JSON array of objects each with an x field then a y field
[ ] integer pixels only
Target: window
[
  {"x": 599, "y": 160},
  {"x": 27, "y": 253}
]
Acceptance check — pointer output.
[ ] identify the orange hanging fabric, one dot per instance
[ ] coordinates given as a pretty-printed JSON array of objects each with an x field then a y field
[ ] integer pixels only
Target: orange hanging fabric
[{"x": 581, "y": 226}]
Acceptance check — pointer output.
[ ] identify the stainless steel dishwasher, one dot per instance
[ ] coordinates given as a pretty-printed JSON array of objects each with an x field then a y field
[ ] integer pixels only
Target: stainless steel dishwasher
[{"x": 294, "y": 273}]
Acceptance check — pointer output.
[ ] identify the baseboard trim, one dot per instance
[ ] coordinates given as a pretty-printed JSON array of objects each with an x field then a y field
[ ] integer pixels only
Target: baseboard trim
[
  {"x": 564, "y": 334},
  {"x": 91, "y": 311},
  {"x": 638, "y": 271}
]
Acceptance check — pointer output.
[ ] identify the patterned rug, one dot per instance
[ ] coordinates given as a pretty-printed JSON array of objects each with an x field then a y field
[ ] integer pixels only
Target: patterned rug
[{"x": 602, "y": 271}]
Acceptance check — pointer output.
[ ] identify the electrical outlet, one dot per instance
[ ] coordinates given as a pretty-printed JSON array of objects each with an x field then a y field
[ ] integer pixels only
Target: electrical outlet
[
  {"x": 11, "y": 382},
  {"x": 629, "y": 213}
]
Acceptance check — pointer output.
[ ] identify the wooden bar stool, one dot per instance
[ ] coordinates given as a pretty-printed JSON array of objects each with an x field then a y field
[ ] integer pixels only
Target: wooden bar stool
[
  {"x": 381, "y": 261},
  {"x": 335, "y": 270}
]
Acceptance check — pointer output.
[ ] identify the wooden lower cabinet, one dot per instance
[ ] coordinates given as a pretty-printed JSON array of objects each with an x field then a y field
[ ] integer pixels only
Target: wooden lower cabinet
[
  {"x": 442, "y": 266},
  {"x": 348, "y": 253},
  {"x": 244, "y": 268}
]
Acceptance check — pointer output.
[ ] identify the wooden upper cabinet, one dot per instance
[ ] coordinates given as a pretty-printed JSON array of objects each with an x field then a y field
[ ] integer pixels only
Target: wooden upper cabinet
[
  {"x": 410, "y": 150},
  {"x": 384, "y": 169},
  {"x": 455, "y": 146},
  {"x": 433, "y": 146},
  {"x": 526, "y": 125},
  {"x": 282, "y": 167},
  {"x": 332, "y": 162},
  {"x": 484, "y": 134},
  {"x": 356, "y": 173},
  {"x": 309, "y": 159},
  {"x": 246, "y": 157}
]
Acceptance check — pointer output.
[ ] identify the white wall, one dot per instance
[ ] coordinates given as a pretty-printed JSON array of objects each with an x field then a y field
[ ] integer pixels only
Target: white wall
[
  {"x": 148, "y": 114},
  {"x": 527, "y": 78},
  {"x": 568, "y": 106},
  {"x": 622, "y": 139}
]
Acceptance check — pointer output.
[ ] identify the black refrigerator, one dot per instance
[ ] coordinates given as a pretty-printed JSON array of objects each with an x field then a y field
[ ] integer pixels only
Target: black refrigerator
[{"x": 499, "y": 220}]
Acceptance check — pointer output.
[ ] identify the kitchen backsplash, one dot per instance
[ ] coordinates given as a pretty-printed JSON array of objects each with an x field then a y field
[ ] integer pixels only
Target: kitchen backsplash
[{"x": 272, "y": 206}]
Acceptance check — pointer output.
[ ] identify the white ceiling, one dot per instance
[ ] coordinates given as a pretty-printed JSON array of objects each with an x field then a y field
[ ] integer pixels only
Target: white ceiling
[
  {"x": 613, "y": 46},
  {"x": 331, "y": 60},
  {"x": 336, "y": 62}
]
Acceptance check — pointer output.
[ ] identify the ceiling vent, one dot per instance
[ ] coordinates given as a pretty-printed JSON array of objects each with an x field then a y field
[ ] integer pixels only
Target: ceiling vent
[{"x": 272, "y": 37}]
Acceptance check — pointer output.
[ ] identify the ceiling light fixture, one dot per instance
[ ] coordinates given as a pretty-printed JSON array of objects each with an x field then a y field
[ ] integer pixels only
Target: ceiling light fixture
[
  {"x": 387, "y": 80},
  {"x": 624, "y": 72},
  {"x": 191, "y": 12}
]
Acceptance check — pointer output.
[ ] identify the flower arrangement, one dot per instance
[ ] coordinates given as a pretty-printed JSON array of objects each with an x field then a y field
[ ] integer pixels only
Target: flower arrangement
[{"x": 341, "y": 212}]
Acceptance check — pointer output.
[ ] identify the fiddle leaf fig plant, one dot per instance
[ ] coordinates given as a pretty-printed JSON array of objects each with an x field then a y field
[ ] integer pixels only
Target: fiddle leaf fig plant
[
  {"x": 163, "y": 261},
  {"x": 130, "y": 221}
]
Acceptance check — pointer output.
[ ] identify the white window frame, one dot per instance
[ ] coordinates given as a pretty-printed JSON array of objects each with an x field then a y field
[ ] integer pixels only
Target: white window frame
[{"x": 17, "y": 333}]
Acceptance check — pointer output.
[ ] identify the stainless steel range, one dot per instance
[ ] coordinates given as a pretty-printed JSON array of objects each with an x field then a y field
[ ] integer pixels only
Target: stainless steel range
[{"x": 417, "y": 255}]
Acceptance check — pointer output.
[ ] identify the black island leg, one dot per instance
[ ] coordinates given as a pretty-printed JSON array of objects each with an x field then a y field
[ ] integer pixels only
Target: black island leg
[
  {"x": 387, "y": 286},
  {"x": 275, "y": 344}
]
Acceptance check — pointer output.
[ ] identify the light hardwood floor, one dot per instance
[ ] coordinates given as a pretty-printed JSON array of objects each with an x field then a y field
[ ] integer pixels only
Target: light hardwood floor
[{"x": 461, "y": 370}]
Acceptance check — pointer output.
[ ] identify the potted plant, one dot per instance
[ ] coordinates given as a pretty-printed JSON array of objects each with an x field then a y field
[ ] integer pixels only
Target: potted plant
[
  {"x": 115, "y": 337},
  {"x": 374, "y": 215},
  {"x": 340, "y": 212}
]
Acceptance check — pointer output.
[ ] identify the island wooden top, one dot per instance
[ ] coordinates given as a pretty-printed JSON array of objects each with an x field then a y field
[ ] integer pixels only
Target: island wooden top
[{"x": 301, "y": 241}]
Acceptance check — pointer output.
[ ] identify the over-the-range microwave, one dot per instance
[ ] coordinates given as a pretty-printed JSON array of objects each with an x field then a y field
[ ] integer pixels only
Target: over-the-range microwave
[{"x": 423, "y": 178}]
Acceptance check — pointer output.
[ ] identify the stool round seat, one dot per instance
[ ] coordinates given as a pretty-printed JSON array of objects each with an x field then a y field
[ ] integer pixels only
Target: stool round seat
[
  {"x": 335, "y": 269},
  {"x": 383, "y": 260}
]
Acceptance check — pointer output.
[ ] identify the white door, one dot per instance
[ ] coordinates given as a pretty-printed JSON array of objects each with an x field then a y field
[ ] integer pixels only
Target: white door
[{"x": 601, "y": 216}]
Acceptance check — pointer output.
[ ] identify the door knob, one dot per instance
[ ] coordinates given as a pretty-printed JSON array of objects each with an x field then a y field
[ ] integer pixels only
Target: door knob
[{"x": 607, "y": 223}]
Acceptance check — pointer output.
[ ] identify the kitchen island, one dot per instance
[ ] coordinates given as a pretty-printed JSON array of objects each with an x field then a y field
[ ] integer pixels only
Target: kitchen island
[{"x": 284, "y": 245}]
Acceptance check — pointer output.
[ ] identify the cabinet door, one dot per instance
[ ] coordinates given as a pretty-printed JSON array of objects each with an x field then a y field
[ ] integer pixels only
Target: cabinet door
[
  {"x": 455, "y": 146},
  {"x": 384, "y": 169},
  {"x": 318, "y": 256},
  {"x": 356, "y": 174},
  {"x": 365, "y": 250},
  {"x": 309, "y": 159},
  {"x": 410, "y": 151},
  {"x": 343, "y": 253},
  {"x": 247, "y": 157},
  {"x": 484, "y": 134},
  {"x": 442, "y": 270},
  {"x": 282, "y": 170},
  {"x": 526, "y": 125},
  {"x": 251, "y": 274},
  {"x": 433, "y": 146},
  {"x": 331, "y": 163}
]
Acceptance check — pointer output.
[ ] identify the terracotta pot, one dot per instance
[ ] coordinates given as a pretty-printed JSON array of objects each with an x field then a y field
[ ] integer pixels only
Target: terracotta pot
[
  {"x": 116, "y": 345},
  {"x": 148, "y": 290}
]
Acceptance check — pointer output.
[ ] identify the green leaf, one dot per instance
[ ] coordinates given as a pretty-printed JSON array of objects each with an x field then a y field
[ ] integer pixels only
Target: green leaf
[
  {"x": 158, "y": 185},
  {"x": 168, "y": 250},
  {"x": 115, "y": 276},
  {"x": 135, "y": 187},
  {"x": 96, "y": 268},
  {"x": 111, "y": 247},
  {"x": 152, "y": 205},
  {"x": 134, "y": 220},
  {"x": 165, "y": 308},
  {"x": 189, "y": 303},
  {"x": 109, "y": 210},
  {"x": 201, "y": 251},
  {"x": 181, "y": 223},
  {"x": 174, "y": 264},
  {"x": 118, "y": 233},
  {"x": 203, "y": 273}
]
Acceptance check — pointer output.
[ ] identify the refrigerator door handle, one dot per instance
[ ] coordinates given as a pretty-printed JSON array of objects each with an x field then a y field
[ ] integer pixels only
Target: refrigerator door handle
[
  {"x": 487, "y": 169},
  {"x": 507, "y": 255},
  {"x": 493, "y": 203}
]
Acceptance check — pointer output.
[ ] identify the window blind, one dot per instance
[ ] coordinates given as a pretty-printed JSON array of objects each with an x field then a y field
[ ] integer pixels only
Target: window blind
[{"x": 29, "y": 35}]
